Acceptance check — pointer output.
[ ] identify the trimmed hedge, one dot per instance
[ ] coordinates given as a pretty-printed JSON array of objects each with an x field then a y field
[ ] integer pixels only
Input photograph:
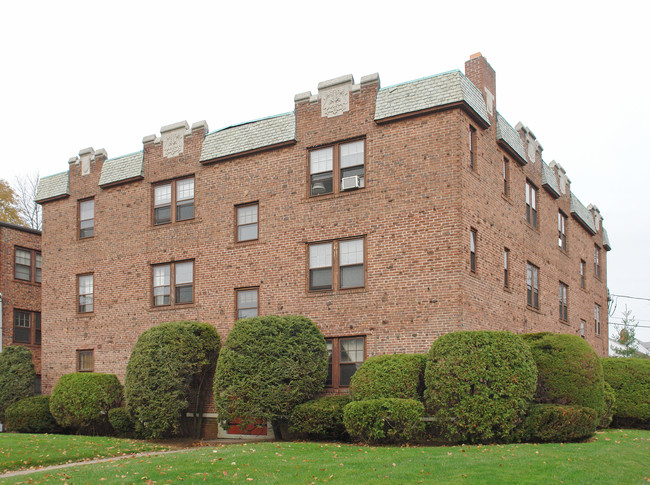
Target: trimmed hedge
[
  {"x": 384, "y": 420},
  {"x": 167, "y": 375},
  {"x": 610, "y": 405},
  {"x": 555, "y": 423},
  {"x": 81, "y": 401},
  {"x": 16, "y": 376},
  {"x": 630, "y": 379},
  {"x": 268, "y": 366},
  {"x": 321, "y": 419},
  {"x": 396, "y": 376},
  {"x": 479, "y": 385},
  {"x": 121, "y": 421},
  {"x": 31, "y": 415},
  {"x": 569, "y": 371}
]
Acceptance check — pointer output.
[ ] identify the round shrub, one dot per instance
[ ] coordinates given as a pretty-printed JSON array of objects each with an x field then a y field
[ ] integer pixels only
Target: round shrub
[
  {"x": 321, "y": 419},
  {"x": 569, "y": 371},
  {"x": 167, "y": 374},
  {"x": 384, "y": 420},
  {"x": 555, "y": 423},
  {"x": 479, "y": 385},
  {"x": 81, "y": 401},
  {"x": 16, "y": 376},
  {"x": 398, "y": 376},
  {"x": 608, "y": 410},
  {"x": 268, "y": 366},
  {"x": 31, "y": 415},
  {"x": 121, "y": 421},
  {"x": 630, "y": 379}
]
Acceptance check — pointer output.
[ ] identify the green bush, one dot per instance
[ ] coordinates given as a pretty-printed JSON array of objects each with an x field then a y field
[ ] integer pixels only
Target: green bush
[
  {"x": 167, "y": 374},
  {"x": 81, "y": 401},
  {"x": 479, "y": 385},
  {"x": 610, "y": 405},
  {"x": 398, "y": 376},
  {"x": 16, "y": 376},
  {"x": 268, "y": 366},
  {"x": 122, "y": 421},
  {"x": 321, "y": 419},
  {"x": 556, "y": 423},
  {"x": 630, "y": 379},
  {"x": 31, "y": 415},
  {"x": 384, "y": 420},
  {"x": 569, "y": 371}
]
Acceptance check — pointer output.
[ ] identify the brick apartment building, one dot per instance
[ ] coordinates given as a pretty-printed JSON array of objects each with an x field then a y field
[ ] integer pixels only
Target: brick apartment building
[
  {"x": 390, "y": 216},
  {"x": 20, "y": 290}
]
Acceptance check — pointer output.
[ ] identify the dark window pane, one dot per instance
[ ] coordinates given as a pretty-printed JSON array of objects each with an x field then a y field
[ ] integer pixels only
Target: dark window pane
[
  {"x": 321, "y": 183},
  {"x": 347, "y": 371},
  {"x": 320, "y": 279},
  {"x": 23, "y": 272},
  {"x": 352, "y": 276},
  {"x": 184, "y": 294},
  {"x": 247, "y": 313},
  {"x": 37, "y": 385},
  {"x": 37, "y": 328},
  {"x": 86, "y": 228},
  {"x": 185, "y": 211},
  {"x": 162, "y": 215},
  {"x": 161, "y": 295},
  {"x": 85, "y": 303},
  {"x": 328, "y": 382},
  {"x": 247, "y": 232},
  {"x": 22, "y": 335}
]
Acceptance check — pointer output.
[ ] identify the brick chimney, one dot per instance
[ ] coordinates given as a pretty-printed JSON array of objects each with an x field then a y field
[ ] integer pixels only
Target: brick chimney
[{"x": 479, "y": 71}]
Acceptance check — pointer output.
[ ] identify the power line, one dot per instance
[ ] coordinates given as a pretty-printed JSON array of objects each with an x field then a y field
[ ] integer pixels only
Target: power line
[
  {"x": 630, "y": 297},
  {"x": 635, "y": 326}
]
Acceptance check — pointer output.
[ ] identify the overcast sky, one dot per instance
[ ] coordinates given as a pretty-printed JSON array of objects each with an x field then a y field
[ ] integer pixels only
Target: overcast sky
[{"x": 79, "y": 74}]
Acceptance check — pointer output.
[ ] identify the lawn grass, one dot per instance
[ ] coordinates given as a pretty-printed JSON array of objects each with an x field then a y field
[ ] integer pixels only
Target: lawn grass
[
  {"x": 20, "y": 451},
  {"x": 613, "y": 456}
]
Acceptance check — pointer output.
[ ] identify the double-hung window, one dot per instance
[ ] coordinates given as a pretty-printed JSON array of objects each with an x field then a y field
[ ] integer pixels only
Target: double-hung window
[
  {"x": 506, "y": 177},
  {"x": 345, "y": 356},
  {"x": 531, "y": 204},
  {"x": 27, "y": 265},
  {"x": 532, "y": 286},
  {"x": 247, "y": 222},
  {"x": 337, "y": 265},
  {"x": 583, "y": 265},
  {"x": 597, "y": 261},
  {"x": 472, "y": 250},
  {"x": 561, "y": 230},
  {"x": 597, "y": 318},
  {"x": 506, "y": 267},
  {"x": 27, "y": 327},
  {"x": 85, "y": 360},
  {"x": 173, "y": 201},
  {"x": 564, "y": 308},
  {"x": 247, "y": 302},
  {"x": 86, "y": 293},
  {"x": 182, "y": 274},
  {"x": 472, "y": 147},
  {"x": 86, "y": 218},
  {"x": 337, "y": 168}
]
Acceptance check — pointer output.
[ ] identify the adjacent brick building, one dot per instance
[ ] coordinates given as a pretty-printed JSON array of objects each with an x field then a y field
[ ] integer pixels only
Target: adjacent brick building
[
  {"x": 20, "y": 290},
  {"x": 389, "y": 216}
]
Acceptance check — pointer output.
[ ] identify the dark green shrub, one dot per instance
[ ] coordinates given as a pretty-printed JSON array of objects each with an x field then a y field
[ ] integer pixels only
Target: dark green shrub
[
  {"x": 555, "y": 423},
  {"x": 610, "y": 405},
  {"x": 167, "y": 374},
  {"x": 569, "y": 371},
  {"x": 31, "y": 415},
  {"x": 122, "y": 421},
  {"x": 268, "y": 366},
  {"x": 384, "y": 420},
  {"x": 479, "y": 385},
  {"x": 81, "y": 401},
  {"x": 399, "y": 376},
  {"x": 630, "y": 379},
  {"x": 16, "y": 376},
  {"x": 321, "y": 419}
]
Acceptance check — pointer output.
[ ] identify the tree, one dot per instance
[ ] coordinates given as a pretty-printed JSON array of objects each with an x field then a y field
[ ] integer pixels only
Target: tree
[
  {"x": 28, "y": 210},
  {"x": 9, "y": 211},
  {"x": 626, "y": 336}
]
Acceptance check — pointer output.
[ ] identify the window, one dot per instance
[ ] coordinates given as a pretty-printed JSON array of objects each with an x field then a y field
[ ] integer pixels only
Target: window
[
  {"x": 597, "y": 261},
  {"x": 472, "y": 250},
  {"x": 182, "y": 274},
  {"x": 85, "y": 360},
  {"x": 85, "y": 293},
  {"x": 177, "y": 194},
  {"x": 506, "y": 177},
  {"x": 27, "y": 327},
  {"x": 247, "y": 305},
  {"x": 532, "y": 286},
  {"x": 472, "y": 147},
  {"x": 343, "y": 162},
  {"x": 583, "y": 265},
  {"x": 583, "y": 324},
  {"x": 350, "y": 267},
  {"x": 345, "y": 356},
  {"x": 564, "y": 309},
  {"x": 597, "y": 319},
  {"x": 37, "y": 385},
  {"x": 247, "y": 217},
  {"x": 531, "y": 204},
  {"x": 561, "y": 230},
  {"x": 27, "y": 265},
  {"x": 506, "y": 263},
  {"x": 86, "y": 218}
]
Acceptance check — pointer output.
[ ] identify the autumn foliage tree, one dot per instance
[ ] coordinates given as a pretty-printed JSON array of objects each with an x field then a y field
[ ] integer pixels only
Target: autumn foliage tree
[{"x": 9, "y": 211}]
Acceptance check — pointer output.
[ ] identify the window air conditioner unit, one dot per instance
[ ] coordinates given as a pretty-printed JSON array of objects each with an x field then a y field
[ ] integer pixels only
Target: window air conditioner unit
[{"x": 348, "y": 183}]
